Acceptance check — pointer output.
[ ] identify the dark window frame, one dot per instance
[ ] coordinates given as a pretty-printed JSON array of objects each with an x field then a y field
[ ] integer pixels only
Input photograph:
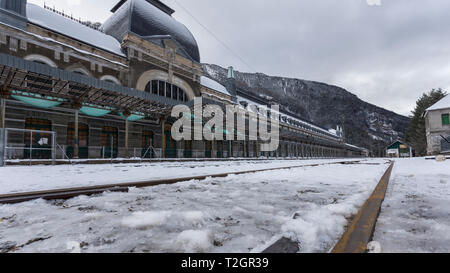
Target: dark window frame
[
  {"x": 445, "y": 119},
  {"x": 170, "y": 91}
]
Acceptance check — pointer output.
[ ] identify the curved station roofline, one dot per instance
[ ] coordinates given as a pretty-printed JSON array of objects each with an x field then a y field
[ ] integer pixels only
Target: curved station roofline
[{"x": 151, "y": 21}]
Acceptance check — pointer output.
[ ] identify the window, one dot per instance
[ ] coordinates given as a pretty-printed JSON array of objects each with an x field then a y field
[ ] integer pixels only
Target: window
[
  {"x": 154, "y": 86},
  {"x": 161, "y": 89},
  {"x": 445, "y": 119},
  {"x": 110, "y": 141},
  {"x": 165, "y": 89},
  {"x": 168, "y": 90},
  {"x": 83, "y": 134},
  {"x": 39, "y": 83},
  {"x": 175, "y": 93},
  {"x": 77, "y": 88}
]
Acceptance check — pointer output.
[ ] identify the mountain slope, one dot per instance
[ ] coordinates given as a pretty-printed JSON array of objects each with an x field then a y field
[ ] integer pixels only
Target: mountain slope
[{"x": 365, "y": 124}]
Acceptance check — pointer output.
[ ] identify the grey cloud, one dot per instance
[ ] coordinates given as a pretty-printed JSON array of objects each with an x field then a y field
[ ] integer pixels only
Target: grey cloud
[{"x": 387, "y": 54}]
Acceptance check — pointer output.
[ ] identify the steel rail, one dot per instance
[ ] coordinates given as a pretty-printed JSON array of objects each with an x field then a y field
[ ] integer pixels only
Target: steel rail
[
  {"x": 68, "y": 193},
  {"x": 360, "y": 231}
]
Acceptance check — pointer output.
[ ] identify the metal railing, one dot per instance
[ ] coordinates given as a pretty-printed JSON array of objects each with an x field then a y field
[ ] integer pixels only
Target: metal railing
[
  {"x": 41, "y": 145},
  {"x": 43, "y": 148}
]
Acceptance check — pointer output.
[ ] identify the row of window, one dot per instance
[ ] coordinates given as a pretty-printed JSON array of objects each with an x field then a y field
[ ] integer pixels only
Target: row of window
[
  {"x": 46, "y": 84},
  {"x": 165, "y": 89},
  {"x": 290, "y": 121},
  {"x": 160, "y": 88},
  {"x": 83, "y": 133}
]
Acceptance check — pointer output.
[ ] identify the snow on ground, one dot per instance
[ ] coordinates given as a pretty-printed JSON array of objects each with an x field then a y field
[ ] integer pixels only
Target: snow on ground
[
  {"x": 242, "y": 213},
  {"x": 36, "y": 178},
  {"x": 415, "y": 216}
]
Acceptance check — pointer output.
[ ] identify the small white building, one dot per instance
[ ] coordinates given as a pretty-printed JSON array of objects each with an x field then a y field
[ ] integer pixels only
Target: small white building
[
  {"x": 437, "y": 124},
  {"x": 399, "y": 149}
]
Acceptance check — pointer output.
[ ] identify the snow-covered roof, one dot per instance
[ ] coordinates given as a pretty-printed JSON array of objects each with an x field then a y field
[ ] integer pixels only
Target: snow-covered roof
[
  {"x": 442, "y": 104},
  {"x": 289, "y": 117},
  {"x": 146, "y": 19},
  {"x": 355, "y": 147},
  {"x": 212, "y": 84},
  {"x": 65, "y": 26}
]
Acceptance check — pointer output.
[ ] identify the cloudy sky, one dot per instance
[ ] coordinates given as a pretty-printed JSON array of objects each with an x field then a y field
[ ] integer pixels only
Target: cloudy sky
[{"x": 388, "y": 52}]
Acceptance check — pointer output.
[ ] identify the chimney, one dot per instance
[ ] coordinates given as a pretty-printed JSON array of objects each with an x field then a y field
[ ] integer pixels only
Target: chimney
[
  {"x": 157, "y": 3},
  {"x": 14, "y": 12},
  {"x": 231, "y": 83}
]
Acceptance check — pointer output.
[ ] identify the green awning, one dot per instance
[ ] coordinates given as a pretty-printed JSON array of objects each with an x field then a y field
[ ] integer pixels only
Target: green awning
[
  {"x": 133, "y": 117},
  {"x": 94, "y": 112},
  {"x": 36, "y": 100}
]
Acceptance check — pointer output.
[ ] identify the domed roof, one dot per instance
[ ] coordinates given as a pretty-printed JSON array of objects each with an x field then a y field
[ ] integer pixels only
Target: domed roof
[{"x": 144, "y": 18}]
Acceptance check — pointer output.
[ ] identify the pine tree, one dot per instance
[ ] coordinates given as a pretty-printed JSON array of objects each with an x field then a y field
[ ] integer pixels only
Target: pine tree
[{"x": 416, "y": 133}]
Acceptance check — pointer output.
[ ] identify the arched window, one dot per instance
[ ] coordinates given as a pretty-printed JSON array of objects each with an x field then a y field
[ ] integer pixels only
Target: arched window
[
  {"x": 110, "y": 79},
  {"x": 79, "y": 73},
  {"x": 165, "y": 89},
  {"x": 39, "y": 83}
]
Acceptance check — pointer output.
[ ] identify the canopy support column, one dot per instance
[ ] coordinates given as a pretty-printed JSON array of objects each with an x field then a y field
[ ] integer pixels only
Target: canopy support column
[
  {"x": 126, "y": 115},
  {"x": 163, "y": 138},
  {"x": 76, "y": 137},
  {"x": 127, "y": 151},
  {"x": 2, "y": 112}
]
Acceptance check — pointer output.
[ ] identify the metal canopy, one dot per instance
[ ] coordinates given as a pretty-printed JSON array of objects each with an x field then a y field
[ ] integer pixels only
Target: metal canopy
[{"x": 29, "y": 77}]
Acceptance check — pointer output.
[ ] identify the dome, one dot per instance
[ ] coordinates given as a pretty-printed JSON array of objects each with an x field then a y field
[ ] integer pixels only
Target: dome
[{"x": 151, "y": 22}]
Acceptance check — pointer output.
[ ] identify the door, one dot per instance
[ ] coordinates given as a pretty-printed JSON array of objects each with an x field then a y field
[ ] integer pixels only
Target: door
[
  {"x": 219, "y": 149},
  {"x": 170, "y": 144},
  {"x": 445, "y": 145},
  {"x": 110, "y": 142},
  {"x": 187, "y": 149},
  {"x": 147, "y": 144},
  {"x": 83, "y": 140},
  {"x": 208, "y": 149},
  {"x": 41, "y": 142}
]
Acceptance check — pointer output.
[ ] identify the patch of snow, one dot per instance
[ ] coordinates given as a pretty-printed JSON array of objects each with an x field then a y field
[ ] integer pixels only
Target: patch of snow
[
  {"x": 74, "y": 247},
  {"x": 442, "y": 104},
  {"x": 142, "y": 220},
  {"x": 307, "y": 124},
  {"x": 198, "y": 241},
  {"x": 374, "y": 247},
  {"x": 36, "y": 178},
  {"x": 194, "y": 217},
  {"x": 238, "y": 214},
  {"x": 212, "y": 84},
  {"x": 415, "y": 214},
  {"x": 65, "y": 26}
]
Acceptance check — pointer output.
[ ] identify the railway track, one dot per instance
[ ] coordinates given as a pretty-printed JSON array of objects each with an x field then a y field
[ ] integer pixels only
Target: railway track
[
  {"x": 360, "y": 230},
  {"x": 131, "y": 161},
  {"x": 123, "y": 187}
]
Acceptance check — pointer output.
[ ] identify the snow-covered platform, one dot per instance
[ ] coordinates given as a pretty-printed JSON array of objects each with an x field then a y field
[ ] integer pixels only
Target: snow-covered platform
[
  {"x": 241, "y": 213},
  {"x": 14, "y": 179},
  {"x": 415, "y": 216},
  {"x": 434, "y": 157}
]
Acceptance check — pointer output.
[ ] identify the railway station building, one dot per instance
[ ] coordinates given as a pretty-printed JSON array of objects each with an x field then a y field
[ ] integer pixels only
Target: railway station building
[{"x": 70, "y": 89}]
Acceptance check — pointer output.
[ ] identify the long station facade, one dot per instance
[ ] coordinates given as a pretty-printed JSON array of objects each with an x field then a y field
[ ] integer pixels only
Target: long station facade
[{"x": 107, "y": 91}]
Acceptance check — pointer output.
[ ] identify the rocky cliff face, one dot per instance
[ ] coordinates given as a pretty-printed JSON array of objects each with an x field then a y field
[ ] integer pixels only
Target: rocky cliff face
[{"x": 365, "y": 124}]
